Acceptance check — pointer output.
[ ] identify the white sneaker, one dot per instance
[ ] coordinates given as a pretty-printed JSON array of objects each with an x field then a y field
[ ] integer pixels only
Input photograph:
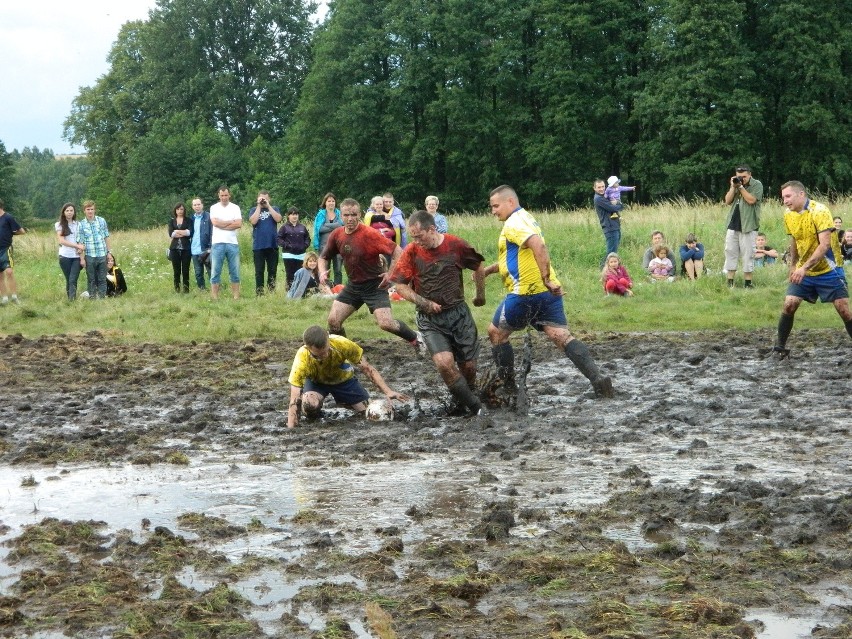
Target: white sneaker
[
  {"x": 15, "y": 300},
  {"x": 5, "y": 301},
  {"x": 420, "y": 345}
]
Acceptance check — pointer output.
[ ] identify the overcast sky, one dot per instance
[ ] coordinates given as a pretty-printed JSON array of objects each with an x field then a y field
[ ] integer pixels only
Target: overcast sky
[{"x": 48, "y": 50}]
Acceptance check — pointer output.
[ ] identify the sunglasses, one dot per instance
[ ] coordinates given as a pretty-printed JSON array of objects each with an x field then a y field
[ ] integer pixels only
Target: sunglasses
[{"x": 743, "y": 170}]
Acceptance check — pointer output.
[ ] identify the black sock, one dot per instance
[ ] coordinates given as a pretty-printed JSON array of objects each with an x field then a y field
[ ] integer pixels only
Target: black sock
[
  {"x": 466, "y": 397},
  {"x": 579, "y": 354},
  {"x": 748, "y": 283},
  {"x": 504, "y": 359},
  {"x": 848, "y": 325},
  {"x": 404, "y": 332},
  {"x": 337, "y": 331},
  {"x": 785, "y": 325},
  {"x": 731, "y": 282}
]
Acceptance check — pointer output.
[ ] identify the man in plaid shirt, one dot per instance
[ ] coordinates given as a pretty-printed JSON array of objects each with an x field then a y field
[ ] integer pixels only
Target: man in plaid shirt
[{"x": 94, "y": 235}]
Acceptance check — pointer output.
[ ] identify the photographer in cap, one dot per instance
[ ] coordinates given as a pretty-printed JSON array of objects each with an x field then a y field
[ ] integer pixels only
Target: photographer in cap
[{"x": 743, "y": 223}]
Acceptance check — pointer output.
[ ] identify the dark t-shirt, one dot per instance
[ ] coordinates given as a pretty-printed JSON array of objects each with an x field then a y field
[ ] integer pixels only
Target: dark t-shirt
[
  {"x": 8, "y": 226},
  {"x": 361, "y": 251},
  {"x": 265, "y": 234},
  {"x": 436, "y": 273},
  {"x": 736, "y": 221}
]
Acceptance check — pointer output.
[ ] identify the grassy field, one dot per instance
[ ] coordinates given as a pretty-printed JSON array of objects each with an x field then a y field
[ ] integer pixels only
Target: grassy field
[{"x": 152, "y": 312}]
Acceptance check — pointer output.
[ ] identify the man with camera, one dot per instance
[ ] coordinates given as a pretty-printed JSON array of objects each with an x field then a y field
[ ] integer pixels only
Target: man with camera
[
  {"x": 264, "y": 219},
  {"x": 744, "y": 196}
]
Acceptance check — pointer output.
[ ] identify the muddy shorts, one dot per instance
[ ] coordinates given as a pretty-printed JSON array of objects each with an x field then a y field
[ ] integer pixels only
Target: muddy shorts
[
  {"x": 346, "y": 393},
  {"x": 826, "y": 287},
  {"x": 6, "y": 261},
  {"x": 452, "y": 330},
  {"x": 369, "y": 293},
  {"x": 516, "y": 312}
]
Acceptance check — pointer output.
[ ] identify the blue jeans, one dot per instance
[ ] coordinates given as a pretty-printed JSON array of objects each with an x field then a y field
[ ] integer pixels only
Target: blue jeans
[
  {"x": 221, "y": 252},
  {"x": 96, "y": 272},
  {"x": 199, "y": 270},
  {"x": 613, "y": 239},
  {"x": 71, "y": 269}
]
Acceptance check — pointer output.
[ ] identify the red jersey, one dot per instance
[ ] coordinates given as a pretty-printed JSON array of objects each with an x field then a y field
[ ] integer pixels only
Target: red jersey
[
  {"x": 360, "y": 251},
  {"x": 436, "y": 273}
]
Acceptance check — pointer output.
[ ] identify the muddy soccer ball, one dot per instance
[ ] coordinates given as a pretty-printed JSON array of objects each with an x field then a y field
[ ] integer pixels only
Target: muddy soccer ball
[{"x": 379, "y": 410}]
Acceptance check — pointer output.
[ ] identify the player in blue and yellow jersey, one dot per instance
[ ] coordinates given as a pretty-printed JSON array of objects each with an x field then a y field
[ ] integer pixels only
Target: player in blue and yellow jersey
[
  {"x": 813, "y": 275},
  {"x": 534, "y": 294},
  {"x": 326, "y": 365}
]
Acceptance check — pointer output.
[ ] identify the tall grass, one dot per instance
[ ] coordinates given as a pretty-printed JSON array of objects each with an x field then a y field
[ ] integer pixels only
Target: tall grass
[{"x": 151, "y": 311}]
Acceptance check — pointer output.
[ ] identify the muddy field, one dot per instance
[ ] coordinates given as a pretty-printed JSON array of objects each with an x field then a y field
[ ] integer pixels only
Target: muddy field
[{"x": 151, "y": 491}]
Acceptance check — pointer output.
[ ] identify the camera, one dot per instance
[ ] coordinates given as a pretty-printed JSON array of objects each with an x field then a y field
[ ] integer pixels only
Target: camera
[
  {"x": 737, "y": 179},
  {"x": 264, "y": 202}
]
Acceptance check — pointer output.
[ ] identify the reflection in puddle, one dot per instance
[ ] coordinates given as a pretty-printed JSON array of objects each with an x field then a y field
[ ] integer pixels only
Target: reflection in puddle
[{"x": 780, "y": 627}]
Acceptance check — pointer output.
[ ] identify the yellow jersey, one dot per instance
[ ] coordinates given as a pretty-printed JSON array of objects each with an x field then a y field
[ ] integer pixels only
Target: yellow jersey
[
  {"x": 805, "y": 228},
  {"x": 517, "y": 264},
  {"x": 334, "y": 369}
]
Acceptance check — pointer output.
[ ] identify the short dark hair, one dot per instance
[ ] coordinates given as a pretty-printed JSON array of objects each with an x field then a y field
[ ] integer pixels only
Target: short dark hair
[
  {"x": 315, "y": 336},
  {"x": 794, "y": 184},
  {"x": 424, "y": 219},
  {"x": 743, "y": 168},
  {"x": 350, "y": 202},
  {"x": 504, "y": 190}
]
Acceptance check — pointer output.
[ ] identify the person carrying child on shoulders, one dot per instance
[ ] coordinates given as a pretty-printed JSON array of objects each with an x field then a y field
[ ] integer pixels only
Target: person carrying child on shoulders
[{"x": 614, "y": 277}]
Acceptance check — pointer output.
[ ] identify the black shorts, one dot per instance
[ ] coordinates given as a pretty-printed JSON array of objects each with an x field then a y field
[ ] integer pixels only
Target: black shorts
[
  {"x": 452, "y": 330},
  {"x": 369, "y": 293}
]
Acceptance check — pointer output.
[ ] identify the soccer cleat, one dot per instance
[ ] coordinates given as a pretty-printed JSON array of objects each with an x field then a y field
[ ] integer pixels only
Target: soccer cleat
[
  {"x": 603, "y": 387},
  {"x": 420, "y": 344},
  {"x": 780, "y": 352}
]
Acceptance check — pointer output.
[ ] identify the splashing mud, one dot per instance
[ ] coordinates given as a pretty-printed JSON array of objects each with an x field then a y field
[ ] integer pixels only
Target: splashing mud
[{"x": 146, "y": 495}]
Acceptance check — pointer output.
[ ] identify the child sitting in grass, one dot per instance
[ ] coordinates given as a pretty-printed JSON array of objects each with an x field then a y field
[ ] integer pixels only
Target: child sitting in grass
[
  {"x": 660, "y": 267},
  {"x": 614, "y": 276}
]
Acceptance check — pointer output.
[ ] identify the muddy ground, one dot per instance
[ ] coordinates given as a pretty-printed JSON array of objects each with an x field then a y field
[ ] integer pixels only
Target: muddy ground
[{"x": 712, "y": 497}]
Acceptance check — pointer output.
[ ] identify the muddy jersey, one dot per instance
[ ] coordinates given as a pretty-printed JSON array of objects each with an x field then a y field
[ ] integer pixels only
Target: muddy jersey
[
  {"x": 436, "y": 273},
  {"x": 334, "y": 369},
  {"x": 517, "y": 265},
  {"x": 805, "y": 227},
  {"x": 361, "y": 252}
]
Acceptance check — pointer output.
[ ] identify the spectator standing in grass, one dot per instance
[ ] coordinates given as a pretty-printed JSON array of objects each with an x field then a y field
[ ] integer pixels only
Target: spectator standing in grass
[
  {"x": 226, "y": 218},
  {"x": 202, "y": 232},
  {"x": 93, "y": 233},
  {"x": 70, "y": 250},
  {"x": 743, "y": 196},
  {"x": 294, "y": 240},
  {"x": 264, "y": 219}
]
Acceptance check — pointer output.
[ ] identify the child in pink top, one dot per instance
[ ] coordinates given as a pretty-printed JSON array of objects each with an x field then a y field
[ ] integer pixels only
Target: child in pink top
[{"x": 614, "y": 276}]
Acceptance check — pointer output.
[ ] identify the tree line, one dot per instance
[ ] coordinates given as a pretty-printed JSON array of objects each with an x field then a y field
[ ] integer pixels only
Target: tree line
[{"x": 453, "y": 98}]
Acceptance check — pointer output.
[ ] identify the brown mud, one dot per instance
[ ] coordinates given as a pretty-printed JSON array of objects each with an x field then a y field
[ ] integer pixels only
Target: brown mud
[{"x": 712, "y": 497}]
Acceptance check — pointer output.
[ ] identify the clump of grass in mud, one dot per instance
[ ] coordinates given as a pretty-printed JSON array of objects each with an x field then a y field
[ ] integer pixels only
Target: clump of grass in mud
[
  {"x": 380, "y": 621},
  {"x": 575, "y": 570},
  {"x": 29, "y": 481},
  {"x": 467, "y": 587},
  {"x": 209, "y": 527},
  {"x": 309, "y": 516},
  {"x": 177, "y": 458},
  {"x": 48, "y": 538},
  {"x": 326, "y": 595}
]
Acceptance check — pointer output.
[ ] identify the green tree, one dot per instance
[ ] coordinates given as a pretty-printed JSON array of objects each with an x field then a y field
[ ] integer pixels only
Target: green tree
[
  {"x": 236, "y": 65},
  {"x": 804, "y": 62},
  {"x": 700, "y": 110},
  {"x": 8, "y": 187},
  {"x": 45, "y": 183}
]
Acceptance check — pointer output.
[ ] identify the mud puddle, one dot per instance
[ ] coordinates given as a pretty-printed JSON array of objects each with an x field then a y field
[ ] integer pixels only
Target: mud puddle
[{"x": 714, "y": 502}]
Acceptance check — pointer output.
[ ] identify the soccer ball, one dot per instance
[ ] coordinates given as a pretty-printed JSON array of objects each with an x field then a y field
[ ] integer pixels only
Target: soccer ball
[
  {"x": 84, "y": 295},
  {"x": 379, "y": 410}
]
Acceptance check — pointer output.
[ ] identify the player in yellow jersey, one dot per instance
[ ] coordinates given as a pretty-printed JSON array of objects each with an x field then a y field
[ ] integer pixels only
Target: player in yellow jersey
[
  {"x": 812, "y": 275},
  {"x": 534, "y": 294}
]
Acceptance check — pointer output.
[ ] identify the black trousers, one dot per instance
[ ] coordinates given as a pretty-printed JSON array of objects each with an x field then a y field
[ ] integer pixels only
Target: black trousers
[
  {"x": 265, "y": 262},
  {"x": 180, "y": 265}
]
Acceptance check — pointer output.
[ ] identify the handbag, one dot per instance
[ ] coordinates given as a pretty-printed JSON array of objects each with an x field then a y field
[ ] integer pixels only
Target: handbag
[{"x": 169, "y": 254}]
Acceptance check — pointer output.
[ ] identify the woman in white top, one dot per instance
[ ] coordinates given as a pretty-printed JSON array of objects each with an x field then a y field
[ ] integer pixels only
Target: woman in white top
[{"x": 69, "y": 249}]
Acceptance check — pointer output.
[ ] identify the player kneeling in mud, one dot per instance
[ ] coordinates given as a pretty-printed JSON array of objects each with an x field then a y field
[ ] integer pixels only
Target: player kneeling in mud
[
  {"x": 429, "y": 275},
  {"x": 326, "y": 365}
]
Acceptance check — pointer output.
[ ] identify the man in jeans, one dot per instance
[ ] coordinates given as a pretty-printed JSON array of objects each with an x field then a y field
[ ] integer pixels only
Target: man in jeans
[
  {"x": 93, "y": 233},
  {"x": 200, "y": 246},
  {"x": 226, "y": 218},
  {"x": 265, "y": 219}
]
